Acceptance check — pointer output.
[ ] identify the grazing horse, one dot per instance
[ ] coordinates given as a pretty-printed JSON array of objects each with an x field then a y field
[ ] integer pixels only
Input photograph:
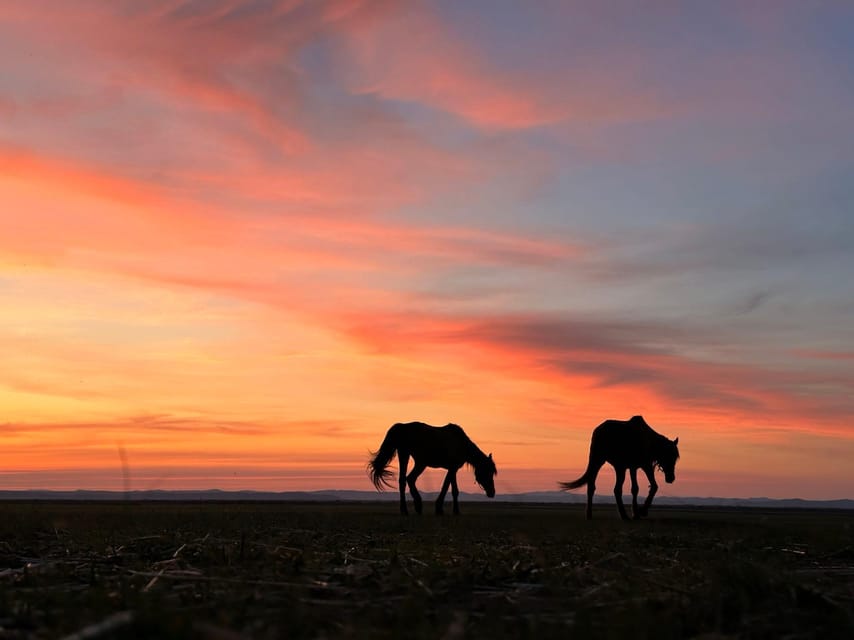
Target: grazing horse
[
  {"x": 445, "y": 447},
  {"x": 628, "y": 444}
]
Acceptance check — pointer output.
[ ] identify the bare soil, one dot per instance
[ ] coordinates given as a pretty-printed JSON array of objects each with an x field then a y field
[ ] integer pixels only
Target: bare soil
[{"x": 349, "y": 570}]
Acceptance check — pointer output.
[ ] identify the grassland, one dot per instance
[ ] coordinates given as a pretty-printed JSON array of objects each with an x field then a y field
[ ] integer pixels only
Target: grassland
[{"x": 250, "y": 570}]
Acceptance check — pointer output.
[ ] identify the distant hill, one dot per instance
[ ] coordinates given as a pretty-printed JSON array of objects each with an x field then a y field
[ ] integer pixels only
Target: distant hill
[{"x": 341, "y": 495}]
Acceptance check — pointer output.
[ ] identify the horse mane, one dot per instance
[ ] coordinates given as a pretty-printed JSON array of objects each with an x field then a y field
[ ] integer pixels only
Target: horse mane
[{"x": 474, "y": 456}]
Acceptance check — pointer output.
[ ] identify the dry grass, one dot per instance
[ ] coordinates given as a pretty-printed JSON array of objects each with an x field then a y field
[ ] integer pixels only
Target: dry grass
[{"x": 249, "y": 570}]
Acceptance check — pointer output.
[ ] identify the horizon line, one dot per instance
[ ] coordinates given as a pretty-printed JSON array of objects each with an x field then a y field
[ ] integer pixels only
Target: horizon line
[{"x": 366, "y": 495}]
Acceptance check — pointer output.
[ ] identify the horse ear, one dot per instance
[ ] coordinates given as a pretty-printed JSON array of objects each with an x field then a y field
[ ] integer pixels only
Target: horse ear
[
  {"x": 676, "y": 441},
  {"x": 490, "y": 456}
]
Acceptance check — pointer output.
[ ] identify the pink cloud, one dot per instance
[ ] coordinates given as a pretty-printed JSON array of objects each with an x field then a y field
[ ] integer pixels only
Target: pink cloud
[
  {"x": 243, "y": 58},
  {"x": 434, "y": 67}
]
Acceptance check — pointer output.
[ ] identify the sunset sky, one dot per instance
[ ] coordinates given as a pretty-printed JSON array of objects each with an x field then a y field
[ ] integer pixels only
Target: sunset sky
[{"x": 240, "y": 239}]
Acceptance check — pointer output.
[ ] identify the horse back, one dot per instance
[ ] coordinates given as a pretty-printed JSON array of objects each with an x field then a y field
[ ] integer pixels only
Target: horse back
[
  {"x": 434, "y": 446},
  {"x": 623, "y": 442}
]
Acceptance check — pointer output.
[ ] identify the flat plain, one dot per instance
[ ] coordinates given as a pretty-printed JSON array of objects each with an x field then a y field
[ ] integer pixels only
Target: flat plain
[{"x": 359, "y": 570}]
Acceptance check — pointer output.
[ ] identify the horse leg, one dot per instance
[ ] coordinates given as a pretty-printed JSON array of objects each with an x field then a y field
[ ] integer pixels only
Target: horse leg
[
  {"x": 410, "y": 479},
  {"x": 403, "y": 461},
  {"x": 618, "y": 491},
  {"x": 653, "y": 489},
  {"x": 455, "y": 493},
  {"x": 593, "y": 470},
  {"x": 440, "y": 501},
  {"x": 633, "y": 474}
]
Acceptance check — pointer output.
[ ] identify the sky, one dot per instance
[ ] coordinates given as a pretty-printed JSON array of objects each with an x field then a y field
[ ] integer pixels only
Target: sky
[{"x": 242, "y": 238}]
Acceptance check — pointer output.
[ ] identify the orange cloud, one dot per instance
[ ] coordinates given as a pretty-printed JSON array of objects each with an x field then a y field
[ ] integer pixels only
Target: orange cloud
[
  {"x": 607, "y": 359},
  {"x": 114, "y": 223}
]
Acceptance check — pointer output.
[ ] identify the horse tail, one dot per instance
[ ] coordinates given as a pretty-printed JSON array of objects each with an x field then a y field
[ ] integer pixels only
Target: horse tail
[
  {"x": 378, "y": 465},
  {"x": 584, "y": 479},
  {"x": 566, "y": 486}
]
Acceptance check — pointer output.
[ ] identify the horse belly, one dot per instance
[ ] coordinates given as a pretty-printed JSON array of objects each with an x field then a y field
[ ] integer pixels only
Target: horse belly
[
  {"x": 437, "y": 462},
  {"x": 628, "y": 459}
]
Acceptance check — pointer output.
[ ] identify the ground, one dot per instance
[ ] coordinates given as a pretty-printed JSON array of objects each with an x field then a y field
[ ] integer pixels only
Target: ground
[{"x": 346, "y": 570}]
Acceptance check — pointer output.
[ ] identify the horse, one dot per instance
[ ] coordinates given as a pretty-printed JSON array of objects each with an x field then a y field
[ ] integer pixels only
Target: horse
[
  {"x": 445, "y": 447},
  {"x": 628, "y": 444}
]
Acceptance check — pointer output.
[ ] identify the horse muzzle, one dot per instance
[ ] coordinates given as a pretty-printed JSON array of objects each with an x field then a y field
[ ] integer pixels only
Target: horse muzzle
[
  {"x": 490, "y": 494},
  {"x": 670, "y": 479}
]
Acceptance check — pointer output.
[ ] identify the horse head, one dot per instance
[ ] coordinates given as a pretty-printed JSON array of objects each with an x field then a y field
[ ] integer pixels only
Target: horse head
[
  {"x": 484, "y": 474},
  {"x": 668, "y": 454}
]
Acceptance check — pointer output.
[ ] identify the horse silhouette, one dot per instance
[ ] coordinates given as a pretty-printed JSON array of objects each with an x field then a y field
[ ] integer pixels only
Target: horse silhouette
[
  {"x": 628, "y": 444},
  {"x": 445, "y": 447}
]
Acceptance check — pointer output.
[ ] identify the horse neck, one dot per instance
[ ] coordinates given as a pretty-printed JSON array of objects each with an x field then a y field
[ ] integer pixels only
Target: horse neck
[
  {"x": 659, "y": 442},
  {"x": 474, "y": 456}
]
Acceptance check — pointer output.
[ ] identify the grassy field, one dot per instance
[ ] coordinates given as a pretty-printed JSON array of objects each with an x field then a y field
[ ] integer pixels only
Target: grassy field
[{"x": 250, "y": 570}]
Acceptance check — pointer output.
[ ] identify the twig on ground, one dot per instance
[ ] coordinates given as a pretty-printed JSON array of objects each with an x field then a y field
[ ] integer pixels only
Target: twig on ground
[
  {"x": 197, "y": 577},
  {"x": 152, "y": 582}
]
